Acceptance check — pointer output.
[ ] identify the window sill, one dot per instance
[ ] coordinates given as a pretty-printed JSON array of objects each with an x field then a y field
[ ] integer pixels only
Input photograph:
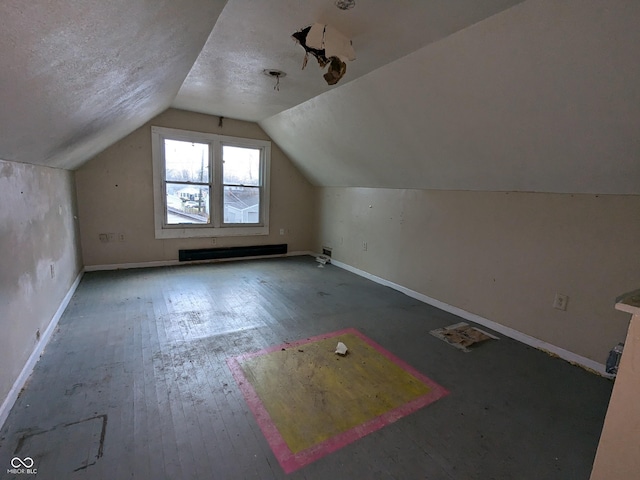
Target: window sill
[{"x": 211, "y": 232}]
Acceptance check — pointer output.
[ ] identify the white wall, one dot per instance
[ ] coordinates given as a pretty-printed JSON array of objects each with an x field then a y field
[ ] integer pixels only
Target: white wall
[
  {"x": 115, "y": 195},
  {"x": 37, "y": 231},
  {"x": 502, "y": 256}
]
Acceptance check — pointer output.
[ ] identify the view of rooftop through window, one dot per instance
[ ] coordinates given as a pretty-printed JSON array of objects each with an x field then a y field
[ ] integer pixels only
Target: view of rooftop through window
[
  {"x": 188, "y": 181},
  {"x": 187, "y": 178},
  {"x": 241, "y": 183}
]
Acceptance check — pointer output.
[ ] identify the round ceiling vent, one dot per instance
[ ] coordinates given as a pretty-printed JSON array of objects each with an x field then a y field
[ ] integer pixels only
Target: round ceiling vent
[
  {"x": 273, "y": 73},
  {"x": 277, "y": 74}
]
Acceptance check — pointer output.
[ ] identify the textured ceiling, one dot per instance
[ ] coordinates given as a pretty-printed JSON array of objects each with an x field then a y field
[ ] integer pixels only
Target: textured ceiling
[
  {"x": 535, "y": 95},
  {"x": 76, "y": 76},
  {"x": 253, "y": 35},
  {"x": 543, "y": 97}
]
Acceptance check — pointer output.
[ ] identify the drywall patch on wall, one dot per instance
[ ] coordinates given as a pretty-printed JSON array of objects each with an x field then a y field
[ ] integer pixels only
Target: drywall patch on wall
[{"x": 38, "y": 234}]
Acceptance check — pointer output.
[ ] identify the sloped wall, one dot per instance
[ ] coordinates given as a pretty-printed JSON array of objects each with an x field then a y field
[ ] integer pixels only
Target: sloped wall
[
  {"x": 502, "y": 256},
  {"x": 41, "y": 258},
  {"x": 115, "y": 195},
  {"x": 76, "y": 77},
  {"x": 542, "y": 97}
]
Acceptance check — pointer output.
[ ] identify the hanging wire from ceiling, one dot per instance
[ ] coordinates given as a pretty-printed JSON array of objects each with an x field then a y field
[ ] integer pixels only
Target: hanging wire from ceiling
[{"x": 277, "y": 74}]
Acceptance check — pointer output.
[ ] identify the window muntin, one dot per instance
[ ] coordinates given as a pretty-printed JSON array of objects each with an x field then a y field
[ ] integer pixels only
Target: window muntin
[{"x": 209, "y": 185}]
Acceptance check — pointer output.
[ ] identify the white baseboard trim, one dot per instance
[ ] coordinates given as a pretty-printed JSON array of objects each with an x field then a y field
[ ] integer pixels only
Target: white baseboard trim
[
  {"x": 168, "y": 263},
  {"x": 571, "y": 357},
  {"x": 126, "y": 266},
  {"x": 12, "y": 396}
]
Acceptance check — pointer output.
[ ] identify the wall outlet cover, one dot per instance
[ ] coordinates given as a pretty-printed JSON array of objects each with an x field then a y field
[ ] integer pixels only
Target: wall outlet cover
[{"x": 560, "y": 301}]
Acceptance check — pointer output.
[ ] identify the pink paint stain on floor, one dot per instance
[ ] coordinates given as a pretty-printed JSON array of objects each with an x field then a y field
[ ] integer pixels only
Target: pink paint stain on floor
[{"x": 290, "y": 461}]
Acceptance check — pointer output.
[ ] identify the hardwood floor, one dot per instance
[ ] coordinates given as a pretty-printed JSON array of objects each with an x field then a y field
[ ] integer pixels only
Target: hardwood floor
[{"x": 135, "y": 384}]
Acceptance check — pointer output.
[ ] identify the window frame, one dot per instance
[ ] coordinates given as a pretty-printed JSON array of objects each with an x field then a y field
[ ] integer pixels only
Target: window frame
[{"x": 216, "y": 226}]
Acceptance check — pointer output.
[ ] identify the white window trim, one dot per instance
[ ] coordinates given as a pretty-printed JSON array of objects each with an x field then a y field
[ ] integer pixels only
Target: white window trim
[{"x": 215, "y": 228}]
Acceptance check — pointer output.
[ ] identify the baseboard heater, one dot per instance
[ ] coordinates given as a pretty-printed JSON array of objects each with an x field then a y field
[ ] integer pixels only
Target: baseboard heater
[{"x": 231, "y": 252}]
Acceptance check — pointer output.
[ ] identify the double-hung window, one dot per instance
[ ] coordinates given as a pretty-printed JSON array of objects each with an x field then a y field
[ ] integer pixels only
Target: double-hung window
[{"x": 209, "y": 185}]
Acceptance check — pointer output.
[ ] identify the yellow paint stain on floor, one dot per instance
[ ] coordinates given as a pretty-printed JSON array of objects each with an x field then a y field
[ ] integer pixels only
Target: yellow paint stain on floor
[{"x": 315, "y": 394}]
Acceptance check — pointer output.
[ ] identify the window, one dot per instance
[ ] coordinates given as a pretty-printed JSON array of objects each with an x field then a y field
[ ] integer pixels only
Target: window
[{"x": 208, "y": 185}]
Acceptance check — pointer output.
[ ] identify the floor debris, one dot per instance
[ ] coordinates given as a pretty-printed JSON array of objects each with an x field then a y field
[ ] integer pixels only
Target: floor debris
[
  {"x": 462, "y": 335},
  {"x": 341, "y": 349},
  {"x": 323, "y": 260}
]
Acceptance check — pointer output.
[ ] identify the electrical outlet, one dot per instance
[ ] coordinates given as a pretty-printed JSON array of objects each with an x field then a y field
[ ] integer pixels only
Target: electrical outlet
[
  {"x": 121, "y": 237},
  {"x": 103, "y": 237},
  {"x": 560, "y": 301},
  {"x": 364, "y": 246},
  {"x": 214, "y": 241},
  {"x": 111, "y": 237},
  {"x": 52, "y": 268},
  {"x": 282, "y": 231}
]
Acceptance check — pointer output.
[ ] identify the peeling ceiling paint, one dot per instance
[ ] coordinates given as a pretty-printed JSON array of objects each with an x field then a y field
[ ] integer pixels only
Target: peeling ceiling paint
[{"x": 329, "y": 47}]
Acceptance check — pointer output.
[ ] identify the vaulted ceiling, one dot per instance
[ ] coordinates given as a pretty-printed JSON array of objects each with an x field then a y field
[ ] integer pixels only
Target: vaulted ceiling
[{"x": 535, "y": 95}]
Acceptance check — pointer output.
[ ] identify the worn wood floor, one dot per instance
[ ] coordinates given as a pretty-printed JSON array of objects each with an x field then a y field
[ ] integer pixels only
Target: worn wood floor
[{"x": 135, "y": 384}]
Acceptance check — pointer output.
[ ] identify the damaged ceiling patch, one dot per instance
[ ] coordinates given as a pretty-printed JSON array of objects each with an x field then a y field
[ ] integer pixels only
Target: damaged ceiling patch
[
  {"x": 329, "y": 47},
  {"x": 345, "y": 4}
]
